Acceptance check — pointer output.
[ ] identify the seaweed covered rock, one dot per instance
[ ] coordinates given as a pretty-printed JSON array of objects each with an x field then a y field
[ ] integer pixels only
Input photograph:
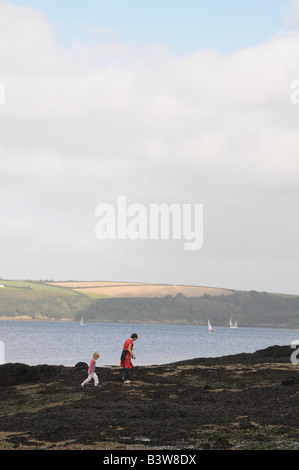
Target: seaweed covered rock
[{"x": 18, "y": 373}]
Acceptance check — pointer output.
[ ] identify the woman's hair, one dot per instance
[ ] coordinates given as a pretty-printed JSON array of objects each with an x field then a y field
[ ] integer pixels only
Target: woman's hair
[{"x": 134, "y": 336}]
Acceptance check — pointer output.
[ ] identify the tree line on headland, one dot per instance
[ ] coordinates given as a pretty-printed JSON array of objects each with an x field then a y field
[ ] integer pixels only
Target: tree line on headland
[
  {"x": 38, "y": 300},
  {"x": 248, "y": 308}
]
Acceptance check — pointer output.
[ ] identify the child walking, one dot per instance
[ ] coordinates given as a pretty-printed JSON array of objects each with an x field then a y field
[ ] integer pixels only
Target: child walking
[{"x": 92, "y": 371}]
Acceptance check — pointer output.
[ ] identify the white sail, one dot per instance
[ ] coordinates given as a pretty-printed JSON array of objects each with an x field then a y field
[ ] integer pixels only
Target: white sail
[
  {"x": 210, "y": 328},
  {"x": 82, "y": 322},
  {"x": 232, "y": 324}
]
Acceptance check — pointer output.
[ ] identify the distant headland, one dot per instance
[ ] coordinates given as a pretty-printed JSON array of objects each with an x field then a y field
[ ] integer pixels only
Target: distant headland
[{"x": 131, "y": 302}]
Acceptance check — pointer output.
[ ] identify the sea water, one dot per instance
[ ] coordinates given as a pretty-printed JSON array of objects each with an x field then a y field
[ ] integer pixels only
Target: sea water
[{"x": 67, "y": 343}]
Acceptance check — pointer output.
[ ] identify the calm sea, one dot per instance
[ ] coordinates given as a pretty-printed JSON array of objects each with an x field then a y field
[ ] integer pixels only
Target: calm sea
[{"x": 59, "y": 343}]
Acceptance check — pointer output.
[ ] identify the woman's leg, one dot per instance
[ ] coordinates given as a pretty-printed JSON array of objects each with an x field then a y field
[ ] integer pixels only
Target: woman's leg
[{"x": 126, "y": 374}]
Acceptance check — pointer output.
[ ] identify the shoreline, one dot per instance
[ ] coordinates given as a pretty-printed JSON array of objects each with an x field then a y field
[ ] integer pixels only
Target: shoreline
[
  {"x": 240, "y": 402},
  {"x": 68, "y": 320},
  {"x": 26, "y": 318}
]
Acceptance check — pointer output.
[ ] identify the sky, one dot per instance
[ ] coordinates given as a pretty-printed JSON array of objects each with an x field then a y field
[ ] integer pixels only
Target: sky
[
  {"x": 161, "y": 103},
  {"x": 182, "y": 26}
]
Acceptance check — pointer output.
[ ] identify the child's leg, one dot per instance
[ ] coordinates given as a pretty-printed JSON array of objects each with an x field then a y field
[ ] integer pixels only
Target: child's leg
[
  {"x": 95, "y": 378},
  {"x": 87, "y": 380}
]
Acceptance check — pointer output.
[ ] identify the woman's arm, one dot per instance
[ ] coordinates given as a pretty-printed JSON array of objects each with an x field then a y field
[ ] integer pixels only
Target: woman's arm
[{"x": 130, "y": 350}]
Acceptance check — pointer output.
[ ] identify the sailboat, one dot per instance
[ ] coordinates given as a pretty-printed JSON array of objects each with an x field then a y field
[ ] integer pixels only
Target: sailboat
[
  {"x": 232, "y": 324},
  {"x": 210, "y": 328},
  {"x": 82, "y": 322}
]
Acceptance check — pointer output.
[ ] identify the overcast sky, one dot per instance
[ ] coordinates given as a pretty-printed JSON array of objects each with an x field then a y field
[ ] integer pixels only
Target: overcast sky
[{"x": 185, "y": 102}]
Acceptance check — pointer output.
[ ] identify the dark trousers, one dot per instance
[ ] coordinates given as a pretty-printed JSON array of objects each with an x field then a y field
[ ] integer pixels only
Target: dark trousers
[{"x": 127, "y": 374}]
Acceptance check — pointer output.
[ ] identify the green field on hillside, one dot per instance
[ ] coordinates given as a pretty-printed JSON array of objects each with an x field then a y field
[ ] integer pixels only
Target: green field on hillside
[
  {"x": 38, "y": 300},
  {"x": 41, "y": 300}
]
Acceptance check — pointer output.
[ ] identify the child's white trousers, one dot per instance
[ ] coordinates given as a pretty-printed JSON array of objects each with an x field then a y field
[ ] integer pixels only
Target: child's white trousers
[{"x": 91, "y": 376}]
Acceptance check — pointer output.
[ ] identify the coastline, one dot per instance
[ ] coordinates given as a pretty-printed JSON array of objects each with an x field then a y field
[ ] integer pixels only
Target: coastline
[
  {"x": 178, "y": 323},
  {"x": 27, "y": 318},
  {"x": 238, "y": 402}
]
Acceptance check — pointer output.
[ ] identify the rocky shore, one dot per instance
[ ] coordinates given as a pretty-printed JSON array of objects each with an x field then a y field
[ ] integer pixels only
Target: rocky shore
[{"x": 245, "y": 401}]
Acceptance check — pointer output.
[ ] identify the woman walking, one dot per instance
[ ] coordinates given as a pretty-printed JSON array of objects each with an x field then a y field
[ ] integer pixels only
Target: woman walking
[{"x": 127, "y": 355}]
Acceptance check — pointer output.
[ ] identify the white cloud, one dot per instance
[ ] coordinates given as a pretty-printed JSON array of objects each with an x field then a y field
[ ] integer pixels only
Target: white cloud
[
  {"x": 293, "y": 20},
  {"x": 80, "y": 127}
]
